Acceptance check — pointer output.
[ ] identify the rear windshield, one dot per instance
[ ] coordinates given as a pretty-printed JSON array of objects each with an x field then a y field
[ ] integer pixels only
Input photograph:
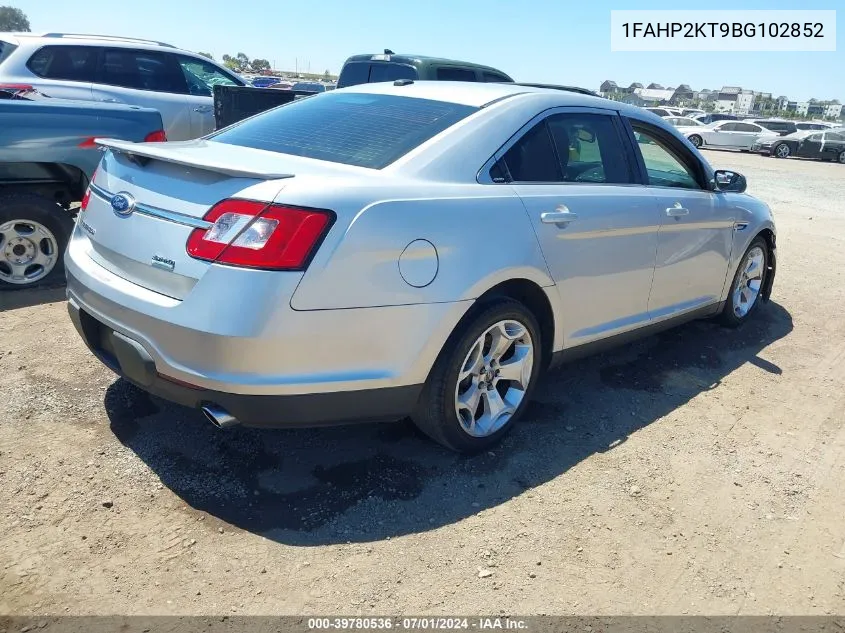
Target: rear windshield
[
  {"x": 365, "y": 130},
  {"x": 6, "y": 49},
  {"x": 355, "y": 73}
]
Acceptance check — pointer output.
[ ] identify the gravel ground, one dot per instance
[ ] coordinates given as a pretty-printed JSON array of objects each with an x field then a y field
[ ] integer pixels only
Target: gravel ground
[{"x": 700, "y": 471}]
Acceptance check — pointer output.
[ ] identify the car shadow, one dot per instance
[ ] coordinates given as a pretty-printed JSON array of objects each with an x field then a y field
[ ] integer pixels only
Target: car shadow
[
  {"x": 367, "y": 482},
  {"x": 14, "y": 298}
]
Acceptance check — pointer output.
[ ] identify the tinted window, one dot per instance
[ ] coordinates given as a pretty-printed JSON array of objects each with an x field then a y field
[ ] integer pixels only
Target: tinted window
[
  {"x": 73, "y": 63},
  {"x": 747, "y": 127},
  {"x": 455, "y": 74},
  {"x": 306, "y": 86},
  {"x": 367, "y": 130},
  {"x": 569, "y": 148},
  {"x": 833, "y": 136},
  {"x": 202, "y": 76},
  {"x": 494, "y": 78},
  {"x": 533, "y": 157},
  {"x": 142, "y": 70},
  {"x": 380, "y": 71},
  {"x": 6, "y": 49},
  {"x": 353, "y": 74},
  {"x": 814, "y": 137},
  {"x": 664, "y": 164}
]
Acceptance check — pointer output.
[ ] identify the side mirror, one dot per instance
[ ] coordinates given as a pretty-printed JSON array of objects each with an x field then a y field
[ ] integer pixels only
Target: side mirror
[{"x": 732, "y": 181}]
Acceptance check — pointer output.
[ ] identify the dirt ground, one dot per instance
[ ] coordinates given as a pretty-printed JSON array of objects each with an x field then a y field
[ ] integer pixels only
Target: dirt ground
[{"x": 698, "y": 472}]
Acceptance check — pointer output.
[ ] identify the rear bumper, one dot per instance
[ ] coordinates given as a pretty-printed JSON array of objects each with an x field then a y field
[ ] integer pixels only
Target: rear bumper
[
  {"x": 128, "y": 358},
  {"x": 234, "y": 341}
]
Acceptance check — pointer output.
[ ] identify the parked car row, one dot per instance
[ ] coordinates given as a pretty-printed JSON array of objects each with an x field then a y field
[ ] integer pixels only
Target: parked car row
[{"x": 775, "y": 137}]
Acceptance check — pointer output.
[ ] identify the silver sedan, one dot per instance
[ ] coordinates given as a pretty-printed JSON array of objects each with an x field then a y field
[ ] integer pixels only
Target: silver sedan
[{"x": 417, "y": 248}]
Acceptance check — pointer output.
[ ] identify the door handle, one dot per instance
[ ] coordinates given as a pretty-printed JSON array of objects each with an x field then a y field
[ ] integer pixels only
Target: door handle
[
  {"x": 112, "y": 101},
  {"x": 676, "y": 211},
  {"x": 202, "y": 109},
  {"x": 559, "y": 217}
]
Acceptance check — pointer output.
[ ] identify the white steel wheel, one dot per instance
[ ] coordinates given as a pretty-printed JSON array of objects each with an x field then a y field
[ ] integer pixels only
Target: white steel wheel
[{"x": 494, "y": 378}]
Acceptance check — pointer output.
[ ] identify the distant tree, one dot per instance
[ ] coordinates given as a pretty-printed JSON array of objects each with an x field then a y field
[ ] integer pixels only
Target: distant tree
[
  {"x": 243, "y": 61},
  {"x": 13, "y": 19},
  {"x": 327, "y": 76},
  {"x": 258, "y": 65},
  {"x": 209, "y": 55},
  {"x": 231, "y": 63}
]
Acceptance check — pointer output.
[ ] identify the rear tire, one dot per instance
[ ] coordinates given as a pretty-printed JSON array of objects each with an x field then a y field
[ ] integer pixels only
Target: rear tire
[
  {"x": 483, "y": 379},
  {"x": 748, "y": 284},
  {"x": 34, "y": 233},
  {"x": 841, "y": 158}
]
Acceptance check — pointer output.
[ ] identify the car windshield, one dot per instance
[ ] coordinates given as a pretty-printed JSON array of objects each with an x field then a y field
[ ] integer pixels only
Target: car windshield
[{"x": 365, "y": 130}]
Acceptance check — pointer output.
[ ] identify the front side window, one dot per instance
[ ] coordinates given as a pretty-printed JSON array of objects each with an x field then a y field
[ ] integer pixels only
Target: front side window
[
  {"x": 727, "y": 127},
  {"x": 202, "y": 76},
  {"x": 361, "y": 129},
  {"x": 576, "y": 147},
  {"x": 748, "y": 127},
  {"x": 815, "y": 137},
  {"x": 71, "y": 63},
  {"x": 141, "y": 70},
  {"x": 665, "y": 166}
]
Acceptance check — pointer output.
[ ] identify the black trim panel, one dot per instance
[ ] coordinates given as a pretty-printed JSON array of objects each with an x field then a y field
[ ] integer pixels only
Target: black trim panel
[
  {"x": 130, "y": 360},
  {"x": 595, "y": 347}
]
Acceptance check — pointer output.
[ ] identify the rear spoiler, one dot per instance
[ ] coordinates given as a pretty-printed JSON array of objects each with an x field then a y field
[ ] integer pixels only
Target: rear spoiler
[{"x": 176, "y": 153}]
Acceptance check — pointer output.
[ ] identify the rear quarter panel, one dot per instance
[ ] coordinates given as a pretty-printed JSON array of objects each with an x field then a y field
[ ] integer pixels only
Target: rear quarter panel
[
  {"x": 52, "y": 133},
  {"x": 481, "y": 237}
]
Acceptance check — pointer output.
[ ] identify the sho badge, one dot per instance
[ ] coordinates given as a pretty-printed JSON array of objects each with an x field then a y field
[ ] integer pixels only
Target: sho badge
[{"x": 162, "y": 262}]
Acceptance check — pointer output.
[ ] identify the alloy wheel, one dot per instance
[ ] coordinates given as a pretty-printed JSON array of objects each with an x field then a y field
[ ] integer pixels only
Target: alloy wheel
[
  {"x": 494, "y": 377},
  {"x": 750, "y": 282}
]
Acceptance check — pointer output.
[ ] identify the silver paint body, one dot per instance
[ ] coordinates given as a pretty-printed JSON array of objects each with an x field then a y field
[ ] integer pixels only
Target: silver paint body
[{"x": 367, "y": 313}]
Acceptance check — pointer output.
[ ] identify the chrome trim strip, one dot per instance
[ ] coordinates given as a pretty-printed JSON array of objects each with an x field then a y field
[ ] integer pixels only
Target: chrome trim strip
[{"x": 156, "y": 212}]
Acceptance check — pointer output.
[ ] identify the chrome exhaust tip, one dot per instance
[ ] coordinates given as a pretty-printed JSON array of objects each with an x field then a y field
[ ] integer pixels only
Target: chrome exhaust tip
[{"x": 219, "y": 417}]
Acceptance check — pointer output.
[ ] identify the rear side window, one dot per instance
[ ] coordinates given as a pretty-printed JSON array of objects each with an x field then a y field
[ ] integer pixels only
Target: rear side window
[
  {"x": 71, "y": 63},
  {"x": 455, "y": 74},
  {"x": 570, "y": 148},
  {"x": 365, "y": 130},
  {"x": 6, "y": 49},
  {"x": 494, "y": 78},
  {"x": 142, "y": 70},
  {"x": 356, "y": 73}
]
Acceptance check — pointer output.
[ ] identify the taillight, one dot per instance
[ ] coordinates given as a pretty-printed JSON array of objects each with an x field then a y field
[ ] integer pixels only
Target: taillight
[
  {"x": 259, "y": 235},
  {"x": 85, "y": 199},
  {"x": 156, "y": 137},
  {"x": 16, "y": 87}
]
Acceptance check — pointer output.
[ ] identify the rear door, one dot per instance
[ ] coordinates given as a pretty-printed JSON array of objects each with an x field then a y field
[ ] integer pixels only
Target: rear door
[
  {"x": 696, "y": 225},
  {"x": 201, "y": 77},
  {"x": 64, "y": 72},
  {"x": 146, "y": 78},
  {"x": 597, "y": 229},
  {"x": 811, "y": 146}
]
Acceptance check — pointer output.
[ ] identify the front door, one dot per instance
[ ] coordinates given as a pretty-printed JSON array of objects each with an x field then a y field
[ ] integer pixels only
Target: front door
[
  {"x": 597, "y": 229},
  {"x": 201, "y": 77},
  {"x": 696, "y": 226},
  {"x": 811, "y": 146}
]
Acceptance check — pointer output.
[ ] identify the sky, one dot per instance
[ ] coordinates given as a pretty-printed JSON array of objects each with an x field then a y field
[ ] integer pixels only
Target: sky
[{"x": 543, "y": 41}]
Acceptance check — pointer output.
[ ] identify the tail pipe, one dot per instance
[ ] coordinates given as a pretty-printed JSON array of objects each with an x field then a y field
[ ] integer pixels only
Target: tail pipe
[{"x": 219, "y": 417}]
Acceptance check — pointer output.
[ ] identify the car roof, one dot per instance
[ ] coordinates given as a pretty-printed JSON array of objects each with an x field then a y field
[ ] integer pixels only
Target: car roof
[
  {"x": 77, "y": 39},
  {"x": 479, "y": 94},
  {"x": 402, "y": 58}
]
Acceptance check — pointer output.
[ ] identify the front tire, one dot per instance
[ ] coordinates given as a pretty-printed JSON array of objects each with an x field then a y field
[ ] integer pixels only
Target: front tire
[
  {"x": 483, "y": 379},
  {"x": 34, "y": 233},
  {"x": 696, "y": 140},
  {"x": 781, "y": 150},
  {"x": 748, "y": 284}
]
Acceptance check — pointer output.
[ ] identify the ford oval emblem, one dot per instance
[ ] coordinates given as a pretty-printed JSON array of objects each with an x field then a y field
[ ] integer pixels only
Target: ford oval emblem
[{"x": 123, "y": 203}]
